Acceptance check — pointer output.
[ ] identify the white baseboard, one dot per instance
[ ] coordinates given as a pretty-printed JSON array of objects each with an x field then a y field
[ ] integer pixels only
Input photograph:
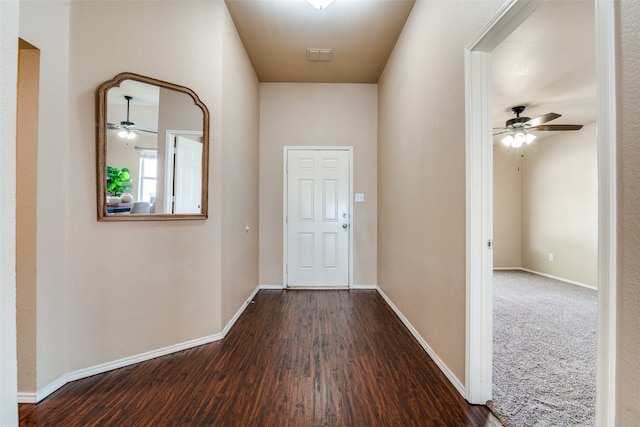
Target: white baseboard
[
  {"x": 374, "y": 287},
  {"x": 131, "y": 360},
  {"x": 241, "y": 310},
  {"x": 561, "y": 279},
  {"x": 443, "y": 367},
  {"x": 120, "y": 363},
  {"x": 25, "y": 397},
  {"x": 266, "y": 286}
]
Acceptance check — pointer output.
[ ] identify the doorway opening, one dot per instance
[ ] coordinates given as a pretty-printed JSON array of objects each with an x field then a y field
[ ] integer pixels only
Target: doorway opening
[
  {"x": 28, "y": 95},
  {"x": 545, "y": 219},
  {"x": 479, "y": 202}
]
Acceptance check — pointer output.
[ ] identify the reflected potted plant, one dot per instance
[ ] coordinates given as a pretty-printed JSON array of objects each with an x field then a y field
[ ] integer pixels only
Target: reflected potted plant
[{"x": 118, "y": 185}]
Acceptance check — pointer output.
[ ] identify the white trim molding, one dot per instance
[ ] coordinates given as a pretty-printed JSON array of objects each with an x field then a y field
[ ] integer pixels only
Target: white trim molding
[
  {"x": 356, "y": 287},
  {"x": 550, "y": 276},
  {"x": 607, "y": 203},
  {"x": 561, "y": 279},
  {"x": 131, "y": 360},
  {"x": 432, "y": 354},
  {"x": 241, "y": 310},
  {"x": 272, "y": 287}
]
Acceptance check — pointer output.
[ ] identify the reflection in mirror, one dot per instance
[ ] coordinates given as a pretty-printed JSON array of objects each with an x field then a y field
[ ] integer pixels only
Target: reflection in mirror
[{"x": 152, "y": 150}]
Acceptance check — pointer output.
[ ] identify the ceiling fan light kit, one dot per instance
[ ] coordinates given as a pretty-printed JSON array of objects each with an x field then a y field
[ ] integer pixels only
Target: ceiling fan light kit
[
  {"x": 127, "y": 125},
  {"x": 126, "y": 134},
  {"x": 518, "y": 138},
  {"x": 320, "y": 4},
  {"x": 517, "y": 128},
  {"x": 128, "y": 128}
]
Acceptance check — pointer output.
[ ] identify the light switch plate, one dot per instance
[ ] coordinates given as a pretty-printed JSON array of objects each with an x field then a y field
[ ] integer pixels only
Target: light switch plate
[{"x": 359, "y": 197}]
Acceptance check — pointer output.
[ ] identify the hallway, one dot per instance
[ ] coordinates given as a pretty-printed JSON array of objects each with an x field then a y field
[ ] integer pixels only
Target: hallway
[{"x": 294, "y": 358}]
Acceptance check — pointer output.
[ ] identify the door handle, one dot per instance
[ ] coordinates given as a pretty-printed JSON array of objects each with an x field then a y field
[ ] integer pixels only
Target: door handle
[{"x": 345, "y": 226}]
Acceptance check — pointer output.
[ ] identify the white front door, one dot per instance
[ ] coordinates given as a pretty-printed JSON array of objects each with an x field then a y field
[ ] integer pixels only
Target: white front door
[
  {"x": 188, "y": 176},
  {"x": 317, "y": 217}
]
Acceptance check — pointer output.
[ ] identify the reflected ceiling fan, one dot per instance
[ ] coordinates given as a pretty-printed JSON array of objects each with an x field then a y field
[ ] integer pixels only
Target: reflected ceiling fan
[
  {"x": 127, "y": 129},
  {"x": 518, "y": 129}
]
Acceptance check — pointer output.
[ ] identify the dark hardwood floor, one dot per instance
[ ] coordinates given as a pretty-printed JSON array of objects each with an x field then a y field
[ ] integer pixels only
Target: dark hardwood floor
[{"x": 294, "y": 358}]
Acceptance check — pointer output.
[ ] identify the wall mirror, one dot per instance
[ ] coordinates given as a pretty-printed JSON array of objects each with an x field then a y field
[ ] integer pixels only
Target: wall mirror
[{"x": 153, "y": 151}]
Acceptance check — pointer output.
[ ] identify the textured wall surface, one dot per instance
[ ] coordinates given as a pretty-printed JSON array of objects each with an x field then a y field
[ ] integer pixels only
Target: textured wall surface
[
  {"x": 107, "y": 291},
  {"x": 628, "y": 334},
  {"x": 240, "y": 151},
  {"x": 507, "y": 207},
  {"x": 8, "y": 72},
  {"x": 421, "y": 173},
  {"x": 560, "y": 206},
  {"x": 46, "y": 26}
]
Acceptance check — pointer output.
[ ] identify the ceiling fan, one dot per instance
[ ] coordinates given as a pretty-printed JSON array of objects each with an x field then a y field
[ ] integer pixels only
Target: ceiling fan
[
  {"x": 518, "y": 128},
  {"x": 127, "y": 129}
]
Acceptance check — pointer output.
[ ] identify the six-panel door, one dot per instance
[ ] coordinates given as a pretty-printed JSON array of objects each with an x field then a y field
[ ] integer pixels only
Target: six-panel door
[{"x": 318, "y": 218}]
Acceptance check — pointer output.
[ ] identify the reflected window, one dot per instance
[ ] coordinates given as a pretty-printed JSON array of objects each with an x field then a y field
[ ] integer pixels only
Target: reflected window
[{"x": 148, "y": 175}]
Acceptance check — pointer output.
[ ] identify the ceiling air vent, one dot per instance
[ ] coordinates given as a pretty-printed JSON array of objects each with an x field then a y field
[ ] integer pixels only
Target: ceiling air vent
[{"x": 319, "y": 54}]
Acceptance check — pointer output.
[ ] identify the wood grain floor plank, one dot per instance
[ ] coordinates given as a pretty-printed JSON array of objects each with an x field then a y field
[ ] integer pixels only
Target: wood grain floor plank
[{"x": 294, "y": 358}]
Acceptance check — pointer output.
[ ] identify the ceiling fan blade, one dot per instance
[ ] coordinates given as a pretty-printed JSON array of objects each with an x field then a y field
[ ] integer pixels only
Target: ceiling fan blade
[
  {"x": 559, "y": 127},
  {"x": 500, "y": 133},
  {"x": 148, "y": 131},
  {"x": 542, "y": 119}
]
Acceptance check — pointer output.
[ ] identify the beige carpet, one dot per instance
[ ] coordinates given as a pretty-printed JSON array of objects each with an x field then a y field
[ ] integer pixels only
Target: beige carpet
[{"x": 544, "y": 354}]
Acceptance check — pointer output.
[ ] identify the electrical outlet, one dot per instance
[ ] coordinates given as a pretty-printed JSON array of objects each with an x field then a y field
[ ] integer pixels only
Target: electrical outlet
[{"x": 550, "y": 256}]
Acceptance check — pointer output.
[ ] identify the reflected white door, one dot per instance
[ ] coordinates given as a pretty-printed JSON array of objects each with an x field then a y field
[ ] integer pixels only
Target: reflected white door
[
  {"x": 188, "y": 176},
  {"x": 318, "y": 218}
]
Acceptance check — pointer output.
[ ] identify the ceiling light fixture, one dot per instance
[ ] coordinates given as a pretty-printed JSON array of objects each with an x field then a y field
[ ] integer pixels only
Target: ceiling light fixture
[
  {"x": 127, "y": 126},
  {"x": 517, "y": 138},
  {"x": 126, "y": 134},
  {"x": 320, "y": 4}
]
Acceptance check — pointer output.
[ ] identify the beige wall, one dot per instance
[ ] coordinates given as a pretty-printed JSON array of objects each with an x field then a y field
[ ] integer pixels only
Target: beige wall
[
  {"x": 240, "y": 167},
  {"x": 26, "y": 208},
  {"x": 507, "y": 205},
  {"x": 144, "y": 285},
  {"x": 421, "y": 173},
  {"x": 560, "y": 206},
  {"x": 107, "y": 291},
  {"x": 318, "y": 114},
  {"x": 415, "y": 85},
  {"x": 547, "y": 202},
  {"x": 149, "y": 285},
  {"x": 9, "y": 14},
  {"x": 46, "y": 26},
  {"x": 628, "y": 221}
]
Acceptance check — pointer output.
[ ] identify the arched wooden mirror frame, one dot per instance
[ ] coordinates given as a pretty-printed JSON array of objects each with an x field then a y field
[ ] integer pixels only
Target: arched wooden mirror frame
[{"x": 102, "y": 205}]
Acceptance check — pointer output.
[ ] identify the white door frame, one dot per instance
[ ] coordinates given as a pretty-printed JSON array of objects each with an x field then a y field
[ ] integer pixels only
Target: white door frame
[
  {"x": 479, "y": 159},
  {"x": 285, "y": 198}
]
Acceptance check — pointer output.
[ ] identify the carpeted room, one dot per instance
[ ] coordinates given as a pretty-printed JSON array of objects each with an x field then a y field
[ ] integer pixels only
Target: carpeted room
[
  {"x": 545, "y": 218},
  {"x": 545, "y": 280},
  {"x": 545, "y": 297}
]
